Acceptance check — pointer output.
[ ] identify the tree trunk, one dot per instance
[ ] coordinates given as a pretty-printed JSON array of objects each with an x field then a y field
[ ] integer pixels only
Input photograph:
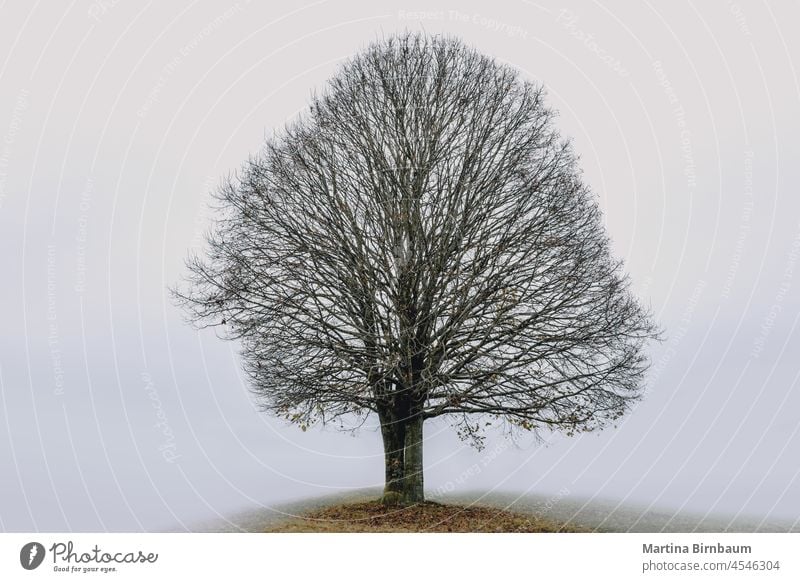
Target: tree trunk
[
  {"x": 394, "y": 436},
  {"x": 413, "y": 474}
]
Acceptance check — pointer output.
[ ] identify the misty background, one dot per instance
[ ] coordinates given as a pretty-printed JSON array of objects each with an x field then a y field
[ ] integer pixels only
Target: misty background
[{"x": 118, "y": 118}]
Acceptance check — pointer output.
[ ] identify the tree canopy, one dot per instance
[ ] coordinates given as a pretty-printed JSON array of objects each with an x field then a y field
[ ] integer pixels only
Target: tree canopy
[{"x": 419, "y": 243}]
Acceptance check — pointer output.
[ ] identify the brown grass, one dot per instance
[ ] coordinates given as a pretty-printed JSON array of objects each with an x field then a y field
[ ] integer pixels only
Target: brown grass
[{"x": 372, "y": 516}]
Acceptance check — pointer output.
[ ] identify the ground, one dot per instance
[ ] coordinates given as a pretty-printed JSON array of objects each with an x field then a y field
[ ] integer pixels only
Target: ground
[
  {"x": 372, "y": 516},
  {"x": 481, "y": 511}
]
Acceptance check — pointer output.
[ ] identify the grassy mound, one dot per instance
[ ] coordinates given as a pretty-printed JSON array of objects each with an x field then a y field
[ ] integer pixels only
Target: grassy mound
[{"x": 372, "y": 516}]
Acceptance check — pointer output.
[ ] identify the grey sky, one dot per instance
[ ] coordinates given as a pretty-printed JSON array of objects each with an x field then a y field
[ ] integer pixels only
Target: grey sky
[{"x": 116, "y": 119}]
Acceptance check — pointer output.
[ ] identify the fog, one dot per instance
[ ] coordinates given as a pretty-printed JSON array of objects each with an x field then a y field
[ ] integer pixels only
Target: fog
[{"x": 117, "y": 119}]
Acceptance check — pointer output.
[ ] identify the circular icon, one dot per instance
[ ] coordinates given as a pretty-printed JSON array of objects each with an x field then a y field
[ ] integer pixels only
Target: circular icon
[{"x": 31, "y": 555}]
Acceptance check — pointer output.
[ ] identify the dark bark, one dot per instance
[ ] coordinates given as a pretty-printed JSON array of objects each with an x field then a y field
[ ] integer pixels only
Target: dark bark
[
  {"x": 414, "y": 482},
  {"x": 393, "y": 431},
  {"x": 402, "y": 446}
]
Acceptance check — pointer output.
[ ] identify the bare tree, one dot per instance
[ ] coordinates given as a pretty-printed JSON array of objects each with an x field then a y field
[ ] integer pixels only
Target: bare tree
[{"x": 420, "y": 244}]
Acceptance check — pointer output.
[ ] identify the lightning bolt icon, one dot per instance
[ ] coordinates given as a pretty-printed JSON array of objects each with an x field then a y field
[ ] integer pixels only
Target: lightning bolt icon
[{"x": 34, "y": 551}]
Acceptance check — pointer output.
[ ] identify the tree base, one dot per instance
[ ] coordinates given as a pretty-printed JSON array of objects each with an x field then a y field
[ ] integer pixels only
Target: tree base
[
  {"x": 400, "y": 499},
  {"x": 393, "y": 499}
]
